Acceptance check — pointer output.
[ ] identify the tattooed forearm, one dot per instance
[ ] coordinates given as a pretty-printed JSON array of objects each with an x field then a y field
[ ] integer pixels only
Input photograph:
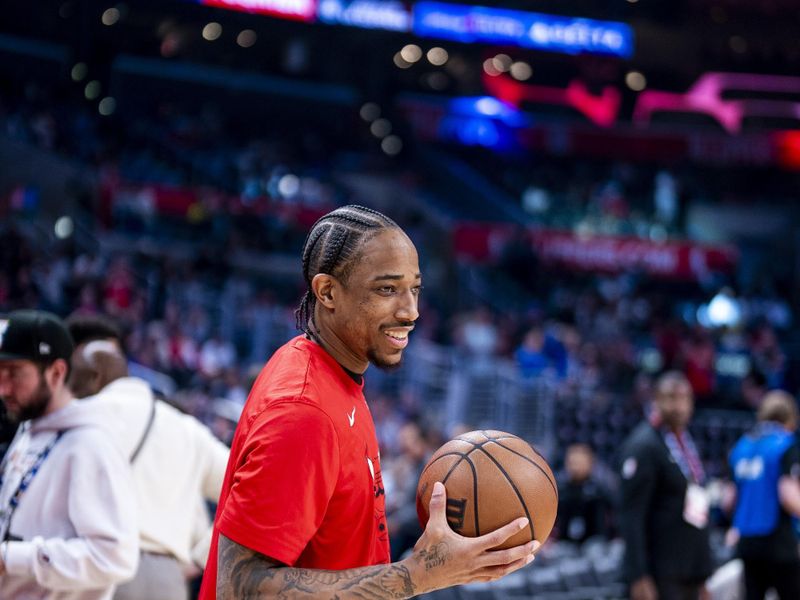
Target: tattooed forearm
[
  {"x": 390, "y": 581},
  {"x": 245, "y": 574}
]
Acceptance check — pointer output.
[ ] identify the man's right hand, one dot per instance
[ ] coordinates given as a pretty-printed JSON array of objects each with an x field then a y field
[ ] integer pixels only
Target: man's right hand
[
  {"x": 644, "y": 588},
  {"x": 442, "y": 558}
]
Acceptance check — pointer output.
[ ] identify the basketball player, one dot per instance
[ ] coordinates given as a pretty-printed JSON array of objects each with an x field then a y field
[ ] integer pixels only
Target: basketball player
[{"x": 301, "y": 514}]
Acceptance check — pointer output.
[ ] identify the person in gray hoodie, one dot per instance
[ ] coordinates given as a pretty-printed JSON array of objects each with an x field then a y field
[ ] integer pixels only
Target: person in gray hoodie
[{"x": 68, "y": 526}]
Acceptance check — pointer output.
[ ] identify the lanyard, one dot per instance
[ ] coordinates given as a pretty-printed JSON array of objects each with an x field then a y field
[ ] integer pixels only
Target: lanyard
[
  {"x": 683, "y": 450},
  {"x": 24, "y": 484}
]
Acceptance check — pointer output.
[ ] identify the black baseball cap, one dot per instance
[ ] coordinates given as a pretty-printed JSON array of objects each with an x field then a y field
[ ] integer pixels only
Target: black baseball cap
[{"x": 34, "y": 335}]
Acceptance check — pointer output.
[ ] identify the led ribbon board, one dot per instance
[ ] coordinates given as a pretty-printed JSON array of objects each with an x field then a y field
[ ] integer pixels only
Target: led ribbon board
[
  {"x": 391, "y": 15},
  {"x": 296, "y": 10},
  {"x": 518, "y": 28}
]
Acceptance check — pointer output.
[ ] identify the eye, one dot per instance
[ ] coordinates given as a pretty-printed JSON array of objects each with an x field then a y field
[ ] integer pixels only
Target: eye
[
  {"x": 416, "y": 290},
  {"x": 386, "y": 290}
]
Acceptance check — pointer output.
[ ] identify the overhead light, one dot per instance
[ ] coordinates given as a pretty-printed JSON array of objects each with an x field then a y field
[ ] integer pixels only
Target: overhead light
[
  {"x": 521, "y": 71},
  {"x": 489, "y": 68},
  {"x": 381, "y": 128},
  {"x": 635, "y": 81},
  {"x": 370, "y": 111},
  {"x": 392, "y": 145},
  {"x": 289, "y": 185},
  {"x": 246, "y": 38},
  {"x": 79, "y": 71},
  {"x": 437, "y": 56},
  {"x": 64, "y": 227},
  {"x": 400, "y": 62},
  {"x": 502, "y": 62},
  {"x": 212, "y": 31},
  {"x": 411, "y": 53},
  {"x": 110, "y": 16},
  {"x": 107, "y": 106},
  {"x": 92, "y": 89}
]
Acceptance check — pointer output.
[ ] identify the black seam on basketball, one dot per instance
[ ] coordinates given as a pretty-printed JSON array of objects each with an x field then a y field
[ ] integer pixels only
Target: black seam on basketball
[
  {"x": 461, "y": 438},
  {"x": 464, "y": 456},
  {"x": 474, "y": 481},
  {"x": 510, "y": 436},
  {"x": 453, "y": 468},
  {"x": 438, "y": 458},
  {"x": 516, "y": 490},
  {"x": 534, "y": 463},
  {"x": 474, "y": 492}
]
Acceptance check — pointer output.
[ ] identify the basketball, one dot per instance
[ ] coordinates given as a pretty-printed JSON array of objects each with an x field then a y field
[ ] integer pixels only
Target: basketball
[{"x": 491, "y": 478}]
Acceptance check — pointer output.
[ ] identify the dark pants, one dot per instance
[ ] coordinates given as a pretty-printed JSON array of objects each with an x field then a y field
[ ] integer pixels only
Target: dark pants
[
  {"x": 761, "y": 575},
  {"x": 677, "y": 590}
]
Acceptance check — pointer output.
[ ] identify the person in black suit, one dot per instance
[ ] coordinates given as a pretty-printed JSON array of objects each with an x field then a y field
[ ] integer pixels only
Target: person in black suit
[
  {"x": 664, "y": 508},
  {"x": 584, "y": 502}
]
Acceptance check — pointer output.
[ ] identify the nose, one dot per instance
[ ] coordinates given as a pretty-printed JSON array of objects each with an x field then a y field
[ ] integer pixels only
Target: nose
[{"x": 408, "y": 305}]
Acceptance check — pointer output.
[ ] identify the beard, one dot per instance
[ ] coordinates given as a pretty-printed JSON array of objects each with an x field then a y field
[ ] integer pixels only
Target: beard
[
  {"x": 35, "y": 406},
  {"x": 383, "y": 365}
]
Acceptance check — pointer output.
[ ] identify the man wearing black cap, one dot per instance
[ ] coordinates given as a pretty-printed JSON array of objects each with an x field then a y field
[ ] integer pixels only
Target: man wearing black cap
[{"x": 68, "y": 526}]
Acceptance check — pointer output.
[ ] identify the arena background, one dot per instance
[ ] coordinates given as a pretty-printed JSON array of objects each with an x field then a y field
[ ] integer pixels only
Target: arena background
[{"x": 599, "y": 191}]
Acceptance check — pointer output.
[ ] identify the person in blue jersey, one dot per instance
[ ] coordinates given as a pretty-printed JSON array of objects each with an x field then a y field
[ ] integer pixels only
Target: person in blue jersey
[{"x": 766, "y": 469}]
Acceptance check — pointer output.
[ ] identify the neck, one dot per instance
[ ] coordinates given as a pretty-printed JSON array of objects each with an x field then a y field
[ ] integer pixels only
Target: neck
[
  {"x": 326, "y": 336},
  {"x": 60, "y": 399}
]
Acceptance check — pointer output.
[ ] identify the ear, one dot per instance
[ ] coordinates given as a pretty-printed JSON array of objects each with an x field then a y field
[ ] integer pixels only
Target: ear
[
  {"x": 324, "y": 287},
  {"x": 56, "y": 373}
]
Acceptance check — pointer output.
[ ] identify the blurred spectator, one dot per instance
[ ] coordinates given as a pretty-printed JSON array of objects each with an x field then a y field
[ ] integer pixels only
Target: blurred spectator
[
  {"x": 67, "y": 494},
  {"x": 477, "y": 333},
  {"x": 176, "y": 461},
  {"x": 584, "y": 504},
  {"x": 754, "y": 387},
  {"x": 766, "y": 468},
  {"x": 699, "y": 366},
  {"x": 541, "y": 354},
  {"x": 664, "y": 508},
  {"x": 400, "y": 478},
  {"x": 216, "y": 356}
]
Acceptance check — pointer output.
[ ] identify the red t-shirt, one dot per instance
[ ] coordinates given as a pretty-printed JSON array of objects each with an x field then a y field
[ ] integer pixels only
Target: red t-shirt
[{"x": 303, "y": 484}]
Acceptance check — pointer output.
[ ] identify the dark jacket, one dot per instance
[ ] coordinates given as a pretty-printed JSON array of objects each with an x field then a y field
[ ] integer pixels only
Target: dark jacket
[{"x": 658, "y": 541}]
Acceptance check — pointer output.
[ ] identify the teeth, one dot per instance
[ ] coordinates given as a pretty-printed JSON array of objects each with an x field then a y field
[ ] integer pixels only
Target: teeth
[{"x": 397, "y": 336}]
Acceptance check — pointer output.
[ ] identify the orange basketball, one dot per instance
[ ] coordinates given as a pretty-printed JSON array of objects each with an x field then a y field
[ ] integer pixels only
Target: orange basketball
[{"x": 491, "y": 478}]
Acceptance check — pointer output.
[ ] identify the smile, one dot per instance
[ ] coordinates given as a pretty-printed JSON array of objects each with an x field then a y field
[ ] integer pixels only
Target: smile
[{"x": 397, "y": 337}]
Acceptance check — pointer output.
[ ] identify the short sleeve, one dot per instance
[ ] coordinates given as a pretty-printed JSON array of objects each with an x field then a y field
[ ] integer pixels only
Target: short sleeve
[
  {"x": 283, "y": 481},
  {"x": 790, "y": 462}
]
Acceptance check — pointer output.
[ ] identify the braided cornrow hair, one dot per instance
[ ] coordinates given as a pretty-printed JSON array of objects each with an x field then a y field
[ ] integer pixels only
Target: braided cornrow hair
[{"x": 331, "y": 247}]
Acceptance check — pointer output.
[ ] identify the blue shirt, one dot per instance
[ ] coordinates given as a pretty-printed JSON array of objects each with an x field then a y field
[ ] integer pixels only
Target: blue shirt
[{"x": 756, "y": 465}]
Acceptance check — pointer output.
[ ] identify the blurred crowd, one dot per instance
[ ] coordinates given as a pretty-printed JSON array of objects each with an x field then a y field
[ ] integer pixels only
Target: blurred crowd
[{"x": 199, "y": 328}]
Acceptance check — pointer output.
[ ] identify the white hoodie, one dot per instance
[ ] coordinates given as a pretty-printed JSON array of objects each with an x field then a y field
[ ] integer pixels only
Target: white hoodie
[
  {"x": 77, "y": 518},
  {"x": 180, "y": 464}
]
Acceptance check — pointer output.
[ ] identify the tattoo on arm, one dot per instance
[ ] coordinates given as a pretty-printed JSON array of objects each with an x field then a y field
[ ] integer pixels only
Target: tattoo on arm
[{"x": 245, "y": 574}]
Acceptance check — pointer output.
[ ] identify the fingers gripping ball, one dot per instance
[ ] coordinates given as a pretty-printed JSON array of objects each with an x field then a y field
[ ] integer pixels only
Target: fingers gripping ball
[{"x": 491, "y": 478}]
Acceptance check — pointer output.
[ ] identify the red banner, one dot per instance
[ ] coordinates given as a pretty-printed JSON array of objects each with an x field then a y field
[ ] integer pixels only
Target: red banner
[{"x": 608, "y": 254}]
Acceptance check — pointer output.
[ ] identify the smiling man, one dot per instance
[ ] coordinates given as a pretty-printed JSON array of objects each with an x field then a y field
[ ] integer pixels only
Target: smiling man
[{"x": 302, "y": 512}]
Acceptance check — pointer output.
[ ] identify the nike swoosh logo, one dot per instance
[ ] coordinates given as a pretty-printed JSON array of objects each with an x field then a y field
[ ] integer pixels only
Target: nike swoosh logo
[{"x": 352, "y": 417}]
